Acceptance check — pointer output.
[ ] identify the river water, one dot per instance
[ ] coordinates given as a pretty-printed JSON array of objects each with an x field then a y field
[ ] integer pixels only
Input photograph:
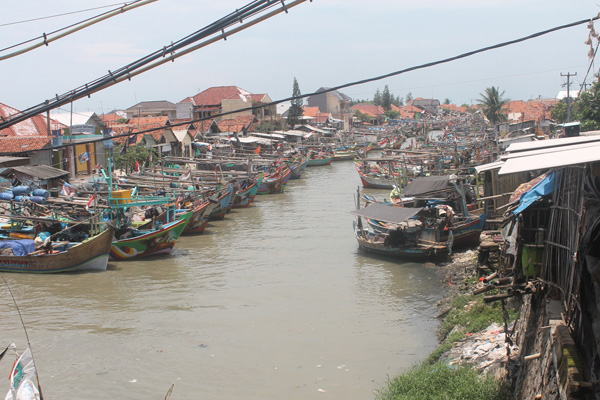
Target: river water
[{"x": 274, "y": 302}]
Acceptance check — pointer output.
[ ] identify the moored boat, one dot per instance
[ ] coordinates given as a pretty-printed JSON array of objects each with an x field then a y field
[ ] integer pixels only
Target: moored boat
[
  {"x": 144, "y": 243},
  {"x": 90, "y": 254}
]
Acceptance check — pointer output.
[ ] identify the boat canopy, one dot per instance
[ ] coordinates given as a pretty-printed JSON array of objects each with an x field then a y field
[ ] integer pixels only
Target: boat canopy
[
  {"x": 426, "y": 184},
  {"x": 387, "y": 213}
]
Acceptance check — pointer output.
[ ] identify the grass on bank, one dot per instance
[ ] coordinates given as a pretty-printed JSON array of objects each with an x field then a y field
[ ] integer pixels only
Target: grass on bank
[
  {"x": 434, "y": 380},
  {"x": 440, "y": 382}
]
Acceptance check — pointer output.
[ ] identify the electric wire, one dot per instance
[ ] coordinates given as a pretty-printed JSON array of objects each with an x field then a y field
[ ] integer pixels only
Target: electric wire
[
  {"x": 76, "y": 27},
  {"x": 59, "y": 15},
  {"x": 250, "y": 10},
  {"x": 422, "y": 66},
  {"x": 46, "y": 106}
]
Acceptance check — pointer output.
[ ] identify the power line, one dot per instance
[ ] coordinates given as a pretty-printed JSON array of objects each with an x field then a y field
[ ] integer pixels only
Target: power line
[
  {"x": 168, "y": 53},
  {"x": 60, "y": 15},
  {"x": 47, "y": 37},
  {"x": 48, "y": 106}
]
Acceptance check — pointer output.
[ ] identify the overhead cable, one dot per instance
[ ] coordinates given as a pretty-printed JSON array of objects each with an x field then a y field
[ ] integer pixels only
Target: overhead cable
[
  {"x": 48, "y": 38},
  {"x": 167, "y": 53},
  {"x": 403, "y": 71}
]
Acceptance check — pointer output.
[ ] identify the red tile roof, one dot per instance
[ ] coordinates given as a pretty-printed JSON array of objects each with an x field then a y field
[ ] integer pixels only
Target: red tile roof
[
  {"x": 215, "y": 95},
  {"x": 236, "y": 124},
  {"x": 11, "y": 145},
  {"x": 35, "y": 126},
  {"x": 311, "y": 111},
  {"x": 369, "y": 109},
  {"x": 530, "y": 110}
]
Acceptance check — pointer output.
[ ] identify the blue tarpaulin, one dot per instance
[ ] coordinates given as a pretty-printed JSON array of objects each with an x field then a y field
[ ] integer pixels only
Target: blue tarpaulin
[
  {"x": 19, "y": 247},
  {"x": 542, "y": 188}
]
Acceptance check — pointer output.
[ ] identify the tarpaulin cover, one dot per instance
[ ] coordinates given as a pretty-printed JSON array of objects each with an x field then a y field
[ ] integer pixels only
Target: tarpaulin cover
[
  {"x": 542, "y": 188},
  {"x": 385, "y": 213},
  {"x": 19, "y": 247},
  {"x": 426, "y": 184}
]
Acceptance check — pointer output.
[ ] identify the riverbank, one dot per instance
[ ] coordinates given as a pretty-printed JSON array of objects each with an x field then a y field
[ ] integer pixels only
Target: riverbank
[{"x": 471, "y": 359}]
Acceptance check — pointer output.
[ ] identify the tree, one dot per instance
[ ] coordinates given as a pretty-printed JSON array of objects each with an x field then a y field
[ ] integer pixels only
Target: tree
[
  {"x": 446, "y": 101},
  {"x": 559, "y": 112},
  {"x": 377, "y": 98},
  {"x": 386, "y": 99},
  {"x": 409, "y": 97},
  {"x": 587, "y": 109},
  {"x": 296, "y": 111},
  {"x": 362, "y": 117},
  {"x": 392, "y": 114},
  {"x": 139, "y": 153},
  {"x": 492, "y": 103}
]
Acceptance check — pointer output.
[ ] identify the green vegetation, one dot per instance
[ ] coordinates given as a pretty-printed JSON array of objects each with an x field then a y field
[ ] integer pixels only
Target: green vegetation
[
  {"x": 139, "y": 153},
  {"x": 433, "y": 380},
  {"x": 296, "y": 111},
  {"x": 492, "y": 102},
  {"x": 439, "y": 381},
  {"x": 587, "y": 109},
  {"x": 472, "y": 314}
]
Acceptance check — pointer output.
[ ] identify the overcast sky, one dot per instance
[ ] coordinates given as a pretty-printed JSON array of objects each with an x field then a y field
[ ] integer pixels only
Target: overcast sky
[{"x": 323, "y": 43}]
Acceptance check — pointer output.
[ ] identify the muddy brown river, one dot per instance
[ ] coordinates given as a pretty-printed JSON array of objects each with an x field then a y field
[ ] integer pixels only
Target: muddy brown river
[{"x": 274, "y": 302}]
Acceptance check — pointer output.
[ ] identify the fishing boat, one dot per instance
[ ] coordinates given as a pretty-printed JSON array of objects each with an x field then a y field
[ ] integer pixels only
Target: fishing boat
[
  {"x": 298, "y": 168},
  {"x": 413, "y": 235},
  {"x": 246, "y": 194},
  {"x": 199, "y": 218},
  {"x": 90, "y": 254},
  {"x": 318, "y": 161},
  {"x": 144, "y": 243},
  {"x": 222, "y": 200},
  {"x": 275, "y": 182}
]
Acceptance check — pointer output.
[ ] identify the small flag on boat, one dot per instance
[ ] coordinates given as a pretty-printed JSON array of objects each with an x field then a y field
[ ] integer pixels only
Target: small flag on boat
[
  {"x": 257, "y": 151},
  {"x": 89, "y": 203},
  {"x": 137, "y": 166}
]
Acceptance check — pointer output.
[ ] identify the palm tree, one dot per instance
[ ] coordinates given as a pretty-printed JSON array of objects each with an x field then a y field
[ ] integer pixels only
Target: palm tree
[{"x": 492, "y": 103}]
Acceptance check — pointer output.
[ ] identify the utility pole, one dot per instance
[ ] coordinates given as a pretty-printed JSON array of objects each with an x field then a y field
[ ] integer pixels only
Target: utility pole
[{"x": 568, "y": 75}]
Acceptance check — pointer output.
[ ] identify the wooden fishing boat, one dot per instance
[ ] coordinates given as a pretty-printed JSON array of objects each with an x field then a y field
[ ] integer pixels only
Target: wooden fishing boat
[
  {"x": 416, "y": 240},
  {"x": 199, "y": 218},
  {"x": 146, "y": 243},
  {"x": 344, "y": 154},
  {"x": 91, "y": 254},
  {"x": 318, "y": 161},
  {"x": 298, "y": 168},
  {"x": 246, "y": 195},
  {"x": 275, "y": 182},
  {"x": 221, "y": 200}
]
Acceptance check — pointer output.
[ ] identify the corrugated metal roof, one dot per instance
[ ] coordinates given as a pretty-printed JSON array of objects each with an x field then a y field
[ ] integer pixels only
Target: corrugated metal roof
[
  {"x": 567, "y": 155},
  {"x": 38, "y": 171},
  {"x": 489, "y": 166},
  {"x": 540, "y": 144},
  {"x": 547, "y": 150}
]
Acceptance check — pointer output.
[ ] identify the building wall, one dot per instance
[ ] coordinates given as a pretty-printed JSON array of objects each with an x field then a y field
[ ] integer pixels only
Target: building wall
[
  {"x": 233, "y": 105},
  {"x": 42, "y": 157}
]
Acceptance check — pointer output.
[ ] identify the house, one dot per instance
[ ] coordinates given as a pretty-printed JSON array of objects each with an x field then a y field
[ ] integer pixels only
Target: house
[
  {"x": 375, "y": 114},
  {"x": 160, "y": 108},
  {"x": 30, "y": 138},
  {"x": 226, "y": 99},
  {"x": 78, "y": 127},
  {"x": 429, "y": 105},
  {"x": 154, "y": 132},
  {"x": 333, "y": 102}
]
